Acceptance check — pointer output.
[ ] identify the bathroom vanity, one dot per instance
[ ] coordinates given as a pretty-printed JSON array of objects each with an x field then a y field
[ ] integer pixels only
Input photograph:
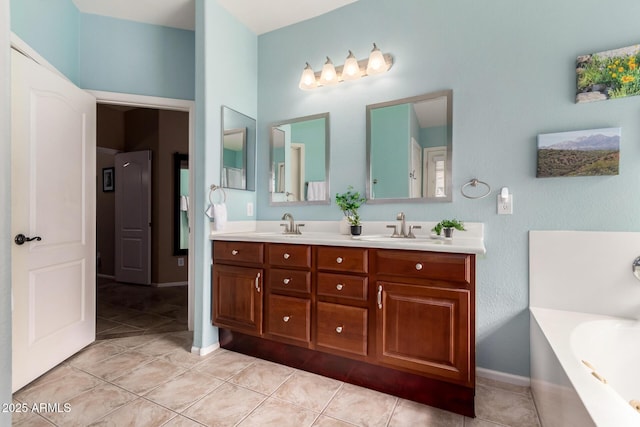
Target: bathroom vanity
[{"x": 397, "y": 317}]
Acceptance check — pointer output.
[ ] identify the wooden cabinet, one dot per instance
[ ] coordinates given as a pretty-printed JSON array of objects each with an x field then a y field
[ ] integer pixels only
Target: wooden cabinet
[
  {"x": 237, "y": 298},
  {"x": 398, "y": 321},
  {"x": 288, "y": 309},
  {"x": 425, "y": 318}
]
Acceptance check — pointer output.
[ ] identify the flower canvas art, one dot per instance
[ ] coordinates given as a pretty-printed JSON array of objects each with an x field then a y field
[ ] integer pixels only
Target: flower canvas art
[{"x": 608, "y": 75}]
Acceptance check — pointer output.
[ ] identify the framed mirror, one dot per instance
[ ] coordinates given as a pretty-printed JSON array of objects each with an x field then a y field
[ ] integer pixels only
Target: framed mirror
[
  {"x": 409, "y": 149},
  {"x": 180, "y": 204},
  {"x": 300, "y": 161},
  {"x": 238, "y": 150}
]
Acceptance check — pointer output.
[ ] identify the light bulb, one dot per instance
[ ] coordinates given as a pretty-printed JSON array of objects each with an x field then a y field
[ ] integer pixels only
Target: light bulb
[
  {"x": 377, "y": 63},
  {"x": 308, "y": 79},
  {"x": 351, "y": 69},
  {"x": 328, "y": 76}
]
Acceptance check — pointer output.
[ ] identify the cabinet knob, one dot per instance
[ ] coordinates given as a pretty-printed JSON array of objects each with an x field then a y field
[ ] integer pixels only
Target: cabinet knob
[
  {"x": 286, "y": 256},
  {"x": 286, "y": 281},
  {"x": 339, "y": 329},
  {"x": 286, "y": 319},
  {"x": 419, "y": 266},
  {"x": 339, "y": 260},
  {"x": 339, "y": 286},
  {"x": 234, "y": 252}
]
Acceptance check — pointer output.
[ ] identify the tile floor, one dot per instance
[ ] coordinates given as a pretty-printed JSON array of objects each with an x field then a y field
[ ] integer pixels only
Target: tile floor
[
  {"x": 128, "y": 310},
  {"x": 154, "y": 380}
]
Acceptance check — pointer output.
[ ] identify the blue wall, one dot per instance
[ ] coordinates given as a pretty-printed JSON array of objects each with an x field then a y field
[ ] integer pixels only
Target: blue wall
[
  {"x": 51, "y": 28},
  {"x": 218, "y": 35},
  {"x": 102, "y": 53},
  {"x": 131, "y": 57},
  {"x": 511, "y": 66}
]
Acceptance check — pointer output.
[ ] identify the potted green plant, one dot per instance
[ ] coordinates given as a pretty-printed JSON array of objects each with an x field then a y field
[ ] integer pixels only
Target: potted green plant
[
  {"x": 349, "y": 203},
  {"x": 448, "y": 225}
]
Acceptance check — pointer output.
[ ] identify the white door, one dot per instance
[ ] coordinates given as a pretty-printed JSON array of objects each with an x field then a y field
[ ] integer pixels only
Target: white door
[
  {"x": 53, "y": 184},
  {"x": 415, "y": 173},
  {"x": 297, "y": 172},
  {"x": 133, "y": 217},
  {"x": 435, "y": 167}
]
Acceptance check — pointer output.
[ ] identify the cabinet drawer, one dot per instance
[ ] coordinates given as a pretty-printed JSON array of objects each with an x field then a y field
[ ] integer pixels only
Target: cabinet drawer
[
  {"x": 289, "y": 317},
  {"x": 342, "y": 286},
  {"x": 290, "y": 280},
  {"x": 342, "y": 327},
  {"x": 247, "y": 252},
  {"x": 290, "y": 255},
  {"x": 427, "y": 265},
  {"x": 342, "y": 259}
]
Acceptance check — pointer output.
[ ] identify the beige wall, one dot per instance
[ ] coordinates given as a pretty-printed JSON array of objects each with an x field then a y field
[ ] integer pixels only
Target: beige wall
[{"x": 164, "y": 133}]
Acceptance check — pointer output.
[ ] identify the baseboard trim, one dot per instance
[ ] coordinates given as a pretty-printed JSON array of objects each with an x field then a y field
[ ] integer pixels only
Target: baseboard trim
[
  {"x": 206, "y": 350},
  {"x": 169, "y": 284},
  {"x": 504, "y": 377}
]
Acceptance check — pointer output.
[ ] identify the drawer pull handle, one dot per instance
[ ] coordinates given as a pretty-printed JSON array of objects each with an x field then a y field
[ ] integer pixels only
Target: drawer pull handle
[
  {"x": 286, "y": 281},
  {"x": 258, "y": 282},
  {"x": 234, "y": 252},
  {"x": 286, "y": 256},
  {"x": 339, "y": 286},
  {"x": 339, "y": 329},
  {"x": 286, "y": 319},
  {"x": 379, "y": 296},
  {"x": 339, "y": 260},
  {"x": 419, "y": 266}
]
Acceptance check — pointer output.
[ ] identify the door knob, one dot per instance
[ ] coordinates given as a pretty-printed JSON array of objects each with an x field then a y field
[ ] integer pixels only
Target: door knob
[{"x": 21, "y": 238}]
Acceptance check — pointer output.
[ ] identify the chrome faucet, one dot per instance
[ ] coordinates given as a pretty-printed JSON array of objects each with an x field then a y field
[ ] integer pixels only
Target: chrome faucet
[
  {"x": 291, "y": 227},
  {"x": 403, "y": 228},
  {"x": 403, "y": 224}
]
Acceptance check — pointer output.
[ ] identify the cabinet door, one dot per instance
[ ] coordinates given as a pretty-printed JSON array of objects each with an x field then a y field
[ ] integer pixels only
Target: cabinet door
[
  {"x": 425, "y": 329},
  {"x": 237, "y": 298}
]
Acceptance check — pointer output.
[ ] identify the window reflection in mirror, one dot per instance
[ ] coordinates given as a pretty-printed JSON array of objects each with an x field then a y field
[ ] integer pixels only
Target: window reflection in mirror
[
  {"x": 238, "y": 150},
  {"x": 409, "y": 146},
  {"x": 300, "y": 161},
  {"x": 181, "y": 204}
]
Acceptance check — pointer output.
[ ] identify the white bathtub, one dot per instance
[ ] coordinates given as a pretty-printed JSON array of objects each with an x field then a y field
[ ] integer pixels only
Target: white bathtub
[{"x": 564, "y": 389}]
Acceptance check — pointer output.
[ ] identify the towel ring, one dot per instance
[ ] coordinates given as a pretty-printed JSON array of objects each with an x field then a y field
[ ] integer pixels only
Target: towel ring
[
  {"x": 474, "y": 183},
  {"x": 213, "y": 189}
]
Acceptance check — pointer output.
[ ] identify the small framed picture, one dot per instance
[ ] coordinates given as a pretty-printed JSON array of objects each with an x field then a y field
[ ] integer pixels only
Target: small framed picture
[{"x": 108, "y": 179}]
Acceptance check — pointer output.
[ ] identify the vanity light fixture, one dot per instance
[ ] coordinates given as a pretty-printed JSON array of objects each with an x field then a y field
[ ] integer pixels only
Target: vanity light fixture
[{"x": 377, "y": 63}]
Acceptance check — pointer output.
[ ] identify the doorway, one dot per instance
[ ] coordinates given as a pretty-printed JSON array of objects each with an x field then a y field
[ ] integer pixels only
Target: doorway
[{"x": 133, "y": 123}]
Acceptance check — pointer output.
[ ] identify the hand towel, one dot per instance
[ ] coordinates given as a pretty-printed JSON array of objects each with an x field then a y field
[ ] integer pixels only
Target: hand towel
[
  {"x": 219, "y": 216},
  {"x": 316, "y": 190}
]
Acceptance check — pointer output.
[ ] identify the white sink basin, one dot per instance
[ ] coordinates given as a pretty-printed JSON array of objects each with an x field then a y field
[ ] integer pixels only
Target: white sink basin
[{"x": 419, "y": 240}]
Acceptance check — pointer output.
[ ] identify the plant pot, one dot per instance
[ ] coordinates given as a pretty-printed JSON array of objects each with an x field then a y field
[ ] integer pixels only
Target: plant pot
[
  {"x": 448, "y": 233},
  {"x": 356, "y": 230}
]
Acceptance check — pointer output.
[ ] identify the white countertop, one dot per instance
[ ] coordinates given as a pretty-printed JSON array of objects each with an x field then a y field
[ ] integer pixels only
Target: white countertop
[{"x": 375, "y": 235}]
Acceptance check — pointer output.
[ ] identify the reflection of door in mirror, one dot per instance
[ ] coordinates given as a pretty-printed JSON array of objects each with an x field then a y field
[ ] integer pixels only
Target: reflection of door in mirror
[
  {"x": 234, "y": 158},
  {"x": 415, "y": 174},
  {"x": 435, "y": 166},
  {"x": 296, "y": 193}
]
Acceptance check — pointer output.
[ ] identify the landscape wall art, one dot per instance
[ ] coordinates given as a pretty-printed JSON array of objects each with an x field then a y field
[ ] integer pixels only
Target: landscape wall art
[
  {"x": 581, "y": 153},
  {"x": 609, "y": 74}
]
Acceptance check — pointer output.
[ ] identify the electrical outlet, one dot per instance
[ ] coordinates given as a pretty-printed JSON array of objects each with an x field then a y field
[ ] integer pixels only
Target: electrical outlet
[
  {"x": 180, "y": 262},
  {"x": 250, "y": 209},
  {"x": 505, "y": 207}
]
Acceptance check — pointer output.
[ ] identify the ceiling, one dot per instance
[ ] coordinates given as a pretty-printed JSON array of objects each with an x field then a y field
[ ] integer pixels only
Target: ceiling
[{"x": 258, "y": 15}]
